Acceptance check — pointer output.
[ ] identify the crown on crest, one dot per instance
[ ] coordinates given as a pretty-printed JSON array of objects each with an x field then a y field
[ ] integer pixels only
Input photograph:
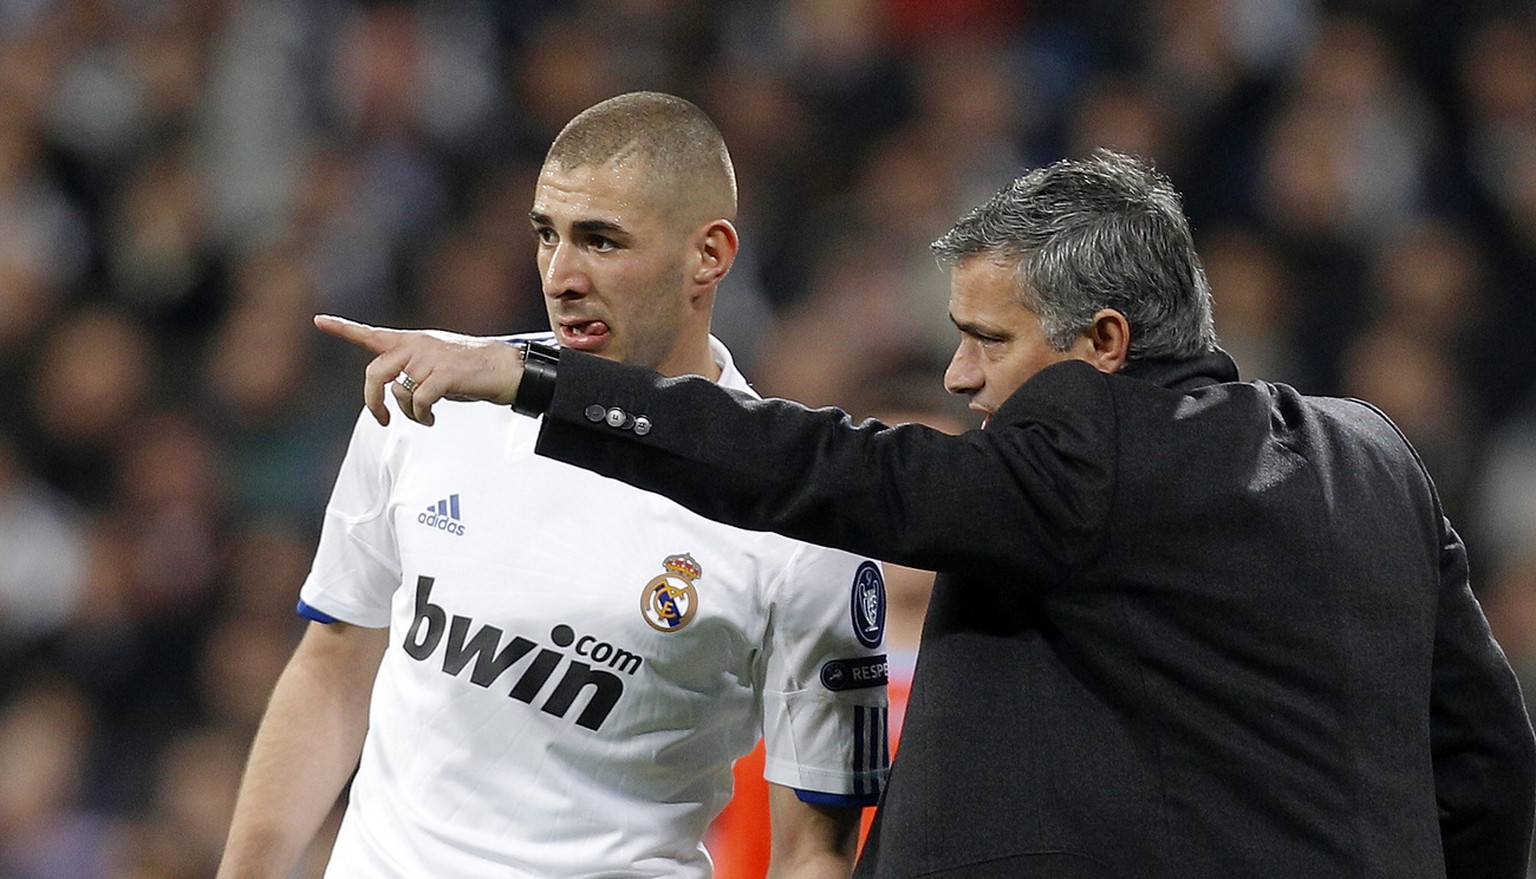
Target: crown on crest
[{"x": 683, "y": 565}]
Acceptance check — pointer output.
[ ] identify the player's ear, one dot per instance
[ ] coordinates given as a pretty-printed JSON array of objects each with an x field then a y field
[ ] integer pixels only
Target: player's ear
[{"x": 716, "y": 244}]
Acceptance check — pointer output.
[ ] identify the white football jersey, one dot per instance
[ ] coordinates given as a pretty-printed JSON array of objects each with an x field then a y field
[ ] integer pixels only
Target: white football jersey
[{"x": 574, "y": 664}]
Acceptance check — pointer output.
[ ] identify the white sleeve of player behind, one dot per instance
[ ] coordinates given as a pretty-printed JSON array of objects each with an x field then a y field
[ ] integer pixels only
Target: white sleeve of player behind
[
  {"x": 824, "y": 695},
  {"x": 357, "y": 563}
]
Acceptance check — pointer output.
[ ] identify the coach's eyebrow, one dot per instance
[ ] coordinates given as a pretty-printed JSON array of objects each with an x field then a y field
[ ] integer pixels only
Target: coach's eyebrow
[{"x": 975, "y": 329}]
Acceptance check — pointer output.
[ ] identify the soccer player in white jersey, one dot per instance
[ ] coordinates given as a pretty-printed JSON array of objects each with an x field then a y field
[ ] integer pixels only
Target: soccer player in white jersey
[{"x": 538, "y": 672}]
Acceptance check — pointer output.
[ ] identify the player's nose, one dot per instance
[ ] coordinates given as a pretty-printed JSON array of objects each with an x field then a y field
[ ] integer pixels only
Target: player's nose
[{"x": 563, "y": 275}]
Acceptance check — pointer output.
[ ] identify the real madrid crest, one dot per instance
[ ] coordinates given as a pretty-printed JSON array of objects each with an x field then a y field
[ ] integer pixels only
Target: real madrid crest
[{"x": 669, "y": 600}]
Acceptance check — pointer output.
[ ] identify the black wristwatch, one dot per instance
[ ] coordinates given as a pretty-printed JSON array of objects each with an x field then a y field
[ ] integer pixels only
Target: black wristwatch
[{"x": 537, "y": 389}]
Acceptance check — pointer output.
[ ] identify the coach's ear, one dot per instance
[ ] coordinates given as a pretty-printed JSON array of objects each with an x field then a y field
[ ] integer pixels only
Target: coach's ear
[{"x": 1110, "y": 339}]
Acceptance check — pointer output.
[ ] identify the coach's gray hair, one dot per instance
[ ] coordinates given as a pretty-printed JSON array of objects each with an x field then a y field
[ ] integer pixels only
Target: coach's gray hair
[{"x": 1103, "y": 232}]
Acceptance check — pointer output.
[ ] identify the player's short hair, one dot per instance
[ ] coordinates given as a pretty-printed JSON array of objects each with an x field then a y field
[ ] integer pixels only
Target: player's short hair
[
  {"x": 685, "y": 154},
  {"x": 1103, "y": 232}
]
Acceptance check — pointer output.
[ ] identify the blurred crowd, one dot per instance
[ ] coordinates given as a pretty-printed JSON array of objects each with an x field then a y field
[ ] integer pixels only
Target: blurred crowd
[{"x": 184, "y": 182}]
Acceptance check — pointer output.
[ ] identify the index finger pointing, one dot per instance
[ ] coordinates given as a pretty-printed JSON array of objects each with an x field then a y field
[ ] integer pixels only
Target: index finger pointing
[{"x": 370, "y": 337}]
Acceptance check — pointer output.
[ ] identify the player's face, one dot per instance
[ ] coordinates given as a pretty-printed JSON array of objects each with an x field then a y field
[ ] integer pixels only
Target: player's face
[
  {"x": 612, "y": 263},
  {"x": 1001, "y": 342}
]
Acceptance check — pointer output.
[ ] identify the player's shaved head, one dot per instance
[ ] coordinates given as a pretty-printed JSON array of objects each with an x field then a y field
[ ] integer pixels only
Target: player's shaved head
[{"x": 683, "y": 156}]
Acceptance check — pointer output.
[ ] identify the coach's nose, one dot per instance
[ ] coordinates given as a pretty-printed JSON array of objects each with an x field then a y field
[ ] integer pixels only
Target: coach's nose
[{"x": 964, "y": 374}]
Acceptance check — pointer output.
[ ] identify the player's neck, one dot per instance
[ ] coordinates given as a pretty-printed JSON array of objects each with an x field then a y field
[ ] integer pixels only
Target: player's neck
[{"x": 692, "y": 355}]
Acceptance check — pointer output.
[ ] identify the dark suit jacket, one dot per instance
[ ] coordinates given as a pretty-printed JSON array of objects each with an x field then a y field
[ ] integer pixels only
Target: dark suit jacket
[{"x": 1184, "y": 626}]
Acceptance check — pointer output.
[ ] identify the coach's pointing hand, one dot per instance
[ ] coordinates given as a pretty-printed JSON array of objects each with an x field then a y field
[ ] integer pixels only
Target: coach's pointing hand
[{"x": 424, "y": 366}]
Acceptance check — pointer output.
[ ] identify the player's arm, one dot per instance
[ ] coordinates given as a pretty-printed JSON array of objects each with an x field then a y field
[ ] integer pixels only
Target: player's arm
[
  {"x": 305, "y": 750},
  {"x": 810, "y": 841},
  {"x": 824, "y": 710}
]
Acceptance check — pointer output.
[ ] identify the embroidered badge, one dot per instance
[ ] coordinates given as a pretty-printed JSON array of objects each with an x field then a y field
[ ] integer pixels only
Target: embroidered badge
[
  {"x": 668, "y": 602},
  {"x": 868, "y": 605},
  {"x": 854, "y": 674}
]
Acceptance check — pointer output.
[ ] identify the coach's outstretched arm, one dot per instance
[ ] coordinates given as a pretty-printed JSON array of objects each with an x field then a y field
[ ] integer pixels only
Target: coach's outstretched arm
[{"x": 886, "y": 492}]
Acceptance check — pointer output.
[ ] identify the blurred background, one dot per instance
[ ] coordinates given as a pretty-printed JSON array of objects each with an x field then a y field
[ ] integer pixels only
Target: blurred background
[{"x": 182, "y": 184}]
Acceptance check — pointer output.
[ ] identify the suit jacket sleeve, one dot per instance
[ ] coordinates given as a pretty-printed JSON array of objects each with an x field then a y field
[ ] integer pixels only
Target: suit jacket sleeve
[
  {"x": 1023, "y": 499},
  {"x": 1485, "y": 769}
]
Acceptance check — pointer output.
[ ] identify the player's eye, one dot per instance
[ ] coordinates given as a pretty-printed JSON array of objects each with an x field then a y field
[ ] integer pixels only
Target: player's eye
[{"x": 545, "y": 234}]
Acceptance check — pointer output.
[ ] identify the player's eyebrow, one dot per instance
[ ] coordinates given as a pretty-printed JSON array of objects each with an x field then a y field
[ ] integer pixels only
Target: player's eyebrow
[
  {"x": 586, "y": 227},
  {"x": 598, "y": 227}
]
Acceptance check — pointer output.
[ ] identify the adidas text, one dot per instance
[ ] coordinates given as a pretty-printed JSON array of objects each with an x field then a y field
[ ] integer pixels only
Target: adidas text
[{"x": 441, "y": 523}]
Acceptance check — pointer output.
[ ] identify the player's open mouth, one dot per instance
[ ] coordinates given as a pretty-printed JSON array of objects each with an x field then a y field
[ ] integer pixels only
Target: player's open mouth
[{"x": 588, "y": 335}]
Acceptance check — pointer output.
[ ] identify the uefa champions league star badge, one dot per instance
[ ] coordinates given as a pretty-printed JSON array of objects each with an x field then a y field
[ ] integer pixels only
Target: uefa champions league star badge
[
  {"x": 669, "y": 600},
  {"x": 868, "y": 605}
]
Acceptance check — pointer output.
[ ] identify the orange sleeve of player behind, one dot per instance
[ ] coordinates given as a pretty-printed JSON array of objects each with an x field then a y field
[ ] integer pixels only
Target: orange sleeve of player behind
[{"x": 739, "y": 838}]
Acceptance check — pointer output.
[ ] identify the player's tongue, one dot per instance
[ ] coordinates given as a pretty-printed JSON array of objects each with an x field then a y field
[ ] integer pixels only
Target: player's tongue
[{"x": 585, "y": 334}]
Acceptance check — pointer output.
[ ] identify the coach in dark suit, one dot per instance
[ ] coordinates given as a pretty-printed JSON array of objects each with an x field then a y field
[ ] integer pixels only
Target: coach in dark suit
[{"x": 1185, "y": 626}]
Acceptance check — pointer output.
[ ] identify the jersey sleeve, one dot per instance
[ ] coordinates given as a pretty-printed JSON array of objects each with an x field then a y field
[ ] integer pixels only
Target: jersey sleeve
[
  {"x": 357, "y": 563},
  {"x": 824, "y": 687}
]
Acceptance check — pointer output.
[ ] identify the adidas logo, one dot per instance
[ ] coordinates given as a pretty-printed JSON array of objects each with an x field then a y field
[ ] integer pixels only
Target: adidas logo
[{"x": 444, "y": 516}]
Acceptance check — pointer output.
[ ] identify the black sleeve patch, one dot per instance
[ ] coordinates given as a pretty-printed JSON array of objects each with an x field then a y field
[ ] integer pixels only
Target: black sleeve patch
[{"x": 855, "y": 674}]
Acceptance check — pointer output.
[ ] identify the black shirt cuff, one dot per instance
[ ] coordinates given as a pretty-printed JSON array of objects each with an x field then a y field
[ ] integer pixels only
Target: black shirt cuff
[{"x": 537, "y": 389}]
